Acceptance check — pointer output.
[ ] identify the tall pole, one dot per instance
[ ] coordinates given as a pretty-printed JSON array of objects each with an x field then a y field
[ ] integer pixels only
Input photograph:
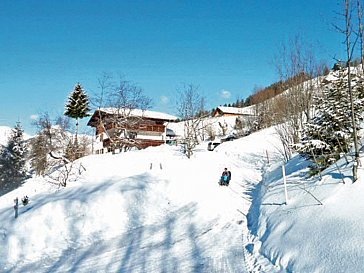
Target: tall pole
[
  {"x": 349, "y": 50},
  {"x": 285, "y": 184}
]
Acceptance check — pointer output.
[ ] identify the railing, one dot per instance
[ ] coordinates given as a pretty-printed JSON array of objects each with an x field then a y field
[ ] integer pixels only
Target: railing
[{"x": 140, "y": 127}]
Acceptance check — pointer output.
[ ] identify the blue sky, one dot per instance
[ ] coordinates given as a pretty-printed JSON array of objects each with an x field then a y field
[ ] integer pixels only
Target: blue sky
[{"x": 224, "y": 47}]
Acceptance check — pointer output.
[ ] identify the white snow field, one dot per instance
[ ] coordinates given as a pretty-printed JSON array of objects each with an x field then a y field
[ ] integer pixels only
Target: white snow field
[
  {"x": 321, "y": 228},
  {"x": 152, "y": 210}
]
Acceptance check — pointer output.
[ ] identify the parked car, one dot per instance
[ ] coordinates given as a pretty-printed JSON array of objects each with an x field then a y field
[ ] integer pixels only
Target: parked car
[{"x": 212, "y": 145}]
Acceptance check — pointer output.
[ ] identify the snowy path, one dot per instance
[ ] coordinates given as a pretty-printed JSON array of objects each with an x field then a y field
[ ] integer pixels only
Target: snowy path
[
  {"x": 250, "y": 169},
  {"x": 173, "y": 217}
]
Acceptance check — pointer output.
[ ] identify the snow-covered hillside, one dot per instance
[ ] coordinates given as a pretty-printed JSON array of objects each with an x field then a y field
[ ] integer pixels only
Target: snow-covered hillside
[
  {"x": 144, "y": 211},
  {"x": 212, "y": 122},
  {"x": 156, "y": 211},
  {"x": 320, "y": 230}
]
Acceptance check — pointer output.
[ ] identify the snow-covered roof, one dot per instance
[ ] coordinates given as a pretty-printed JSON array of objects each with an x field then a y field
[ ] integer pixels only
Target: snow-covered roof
[
  {"x": 141, "y": 113},
  {"x": 237, "y": 110}
]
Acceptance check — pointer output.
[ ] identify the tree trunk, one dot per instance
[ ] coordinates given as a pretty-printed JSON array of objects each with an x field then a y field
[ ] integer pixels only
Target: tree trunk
[
  {"x": 76, "y": 140},
  {"x": 349, "y": 51}
]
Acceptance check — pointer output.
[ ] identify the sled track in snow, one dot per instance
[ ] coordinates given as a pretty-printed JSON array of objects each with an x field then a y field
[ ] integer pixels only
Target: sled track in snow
[{"x": 254, "y": 262}]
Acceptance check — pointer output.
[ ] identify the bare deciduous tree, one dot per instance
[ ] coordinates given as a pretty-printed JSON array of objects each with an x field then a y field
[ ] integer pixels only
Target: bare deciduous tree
[
  {"x": 49, "y": 148},
  {"x": 350, "y": 46},
  {"x": 189, "y": 107},
  {"x": 124, "y": 99},
  {"x": 61, "y": 174},
  {"x": 361, "y": 32},
  {"x": 299, "y": 72},
  {"x": 224, "y": 127},
  {"x": 210, "y": 131},
  {"x": 350, "y": 39}
]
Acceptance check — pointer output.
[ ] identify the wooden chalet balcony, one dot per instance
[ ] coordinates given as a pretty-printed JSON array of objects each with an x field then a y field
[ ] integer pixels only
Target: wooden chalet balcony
[
  {"x": 149, "y": 133},
  {"x": 140, "y": 127},
  {"x": 152, "y": 128}
]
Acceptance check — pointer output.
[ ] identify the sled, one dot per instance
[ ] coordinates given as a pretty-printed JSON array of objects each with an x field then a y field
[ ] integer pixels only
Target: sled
[{"x": 224, "y": 181}]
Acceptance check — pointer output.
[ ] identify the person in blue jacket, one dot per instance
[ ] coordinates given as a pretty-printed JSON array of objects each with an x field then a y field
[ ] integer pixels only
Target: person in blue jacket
[{"x": 225, "y": 177}]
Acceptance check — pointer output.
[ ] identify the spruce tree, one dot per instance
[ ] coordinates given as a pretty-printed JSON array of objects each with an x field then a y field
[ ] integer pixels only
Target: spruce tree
[
  {"x": 19, "y": 150},
  {"x": 77, "y": 106},
  {"x": 330, "y": 132},
  {"x": 13, "y": 159}
]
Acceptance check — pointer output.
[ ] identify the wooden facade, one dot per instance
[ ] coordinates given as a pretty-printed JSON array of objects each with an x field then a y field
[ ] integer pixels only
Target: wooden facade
[{"x": 139, "y": 129}]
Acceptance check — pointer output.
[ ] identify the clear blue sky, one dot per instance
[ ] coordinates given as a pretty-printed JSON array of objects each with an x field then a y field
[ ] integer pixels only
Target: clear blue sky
[{"x": 224, "y": 47}]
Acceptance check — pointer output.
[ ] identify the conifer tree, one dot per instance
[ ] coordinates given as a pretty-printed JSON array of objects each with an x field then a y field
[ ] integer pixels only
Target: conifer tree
[
  {"x": 13, "y": 158},
  {"x": 19, "y": 149},
  {"x": 330, "y": 131},
  {"x": 77, "y": 106}
]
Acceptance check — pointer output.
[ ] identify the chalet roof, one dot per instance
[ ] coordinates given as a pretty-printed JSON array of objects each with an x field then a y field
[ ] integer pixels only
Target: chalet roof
[
  {"x": 143, "y": 113},
  {"x": 138, "y": 113},
  {"x": 236, "y": 110}
]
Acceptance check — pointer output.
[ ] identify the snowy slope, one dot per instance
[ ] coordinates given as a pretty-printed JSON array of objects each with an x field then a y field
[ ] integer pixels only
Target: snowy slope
[
  {"x": 144, "y": 211},
  {"x": 211, "y": 122},
  {"x": 156, "y": 211},
  {"x": 320, "y": 230}
]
